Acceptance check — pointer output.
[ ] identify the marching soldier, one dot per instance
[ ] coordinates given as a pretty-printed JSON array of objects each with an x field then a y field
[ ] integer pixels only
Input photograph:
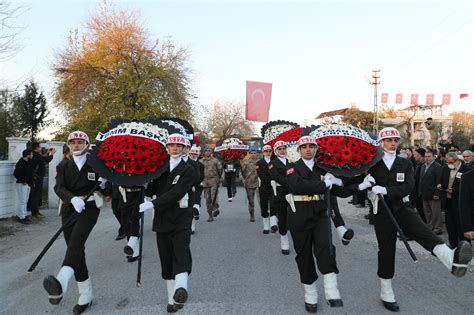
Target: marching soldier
[
  {"x": 130, "y": 200},
  {"x": 197, "y": 183},
  {"x": 265, "y": 192},
  {"x": 394, "y": 180},
  {"x": 194, "y": 155},
  {"x": 250, "y": 180},
  {"x": 210, "y": 184},
  {"x": 308, "y": 224},
  {"x": 74, "y": 180},
  {"x": 231, "y": 171},
  {"x": 172, "y": 222},
  {"x": 277, "y": 169},
  {"x": 115, "y": 199}
]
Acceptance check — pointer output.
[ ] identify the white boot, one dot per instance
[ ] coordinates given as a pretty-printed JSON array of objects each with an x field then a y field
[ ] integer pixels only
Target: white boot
[
  {"x": 285, "y": 244},
  {"x": 181, "y": 288},
  {"x": 193, "y": 226},
  {"x": 340, "y": 231},
  {"x": 445, "y": 255},
  {"x": 132, "y": 247},
  {"x": 386, "y": 291},
  {"x": 311, "y": 293},
  {"x": 85, "y": 296},
  {"x": 64, "y": 275},
  {"x": 274, "y": 223},
  {"x": 456, "y": 259},
  {"x": 331, "y": 291},
  {"x": 170, "y": 288},
  {"x": 266, "y": 225}
]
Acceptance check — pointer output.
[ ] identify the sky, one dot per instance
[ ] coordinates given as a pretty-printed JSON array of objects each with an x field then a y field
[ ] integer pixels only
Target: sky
[{"x": 317, "y": 54}]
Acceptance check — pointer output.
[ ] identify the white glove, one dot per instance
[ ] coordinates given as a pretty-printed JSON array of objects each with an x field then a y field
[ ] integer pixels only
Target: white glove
[
  {"x": 148, "y": 199},
  {"x": 368, "y": 182},
  {"x": 334, "y": 180},
  {"x": 145, "y": 206},
  {"x": 102, "y": 181},
  {"x": 197, "y": 207},
  {"x": 379, "y": 190},
  {"x": 328, "y": 183},
  {"x": 78, "y": 204}
]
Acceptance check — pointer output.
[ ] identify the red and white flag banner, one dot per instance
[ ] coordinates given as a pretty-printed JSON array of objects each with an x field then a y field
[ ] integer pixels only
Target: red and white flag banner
[
  {"x": 463, "y": 95},
  {"x": 399, "y": 98},
  {"x": 414, "y": 99},
  {"x": 429, "y": 99},
  {"x": 384, "y": 98},
  {"x": 257, "y": 104},
  {"x": 446, "y": 99}
]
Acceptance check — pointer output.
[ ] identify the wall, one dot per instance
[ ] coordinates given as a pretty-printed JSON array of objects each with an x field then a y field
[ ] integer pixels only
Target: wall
[{"x": 8, "y": 194}]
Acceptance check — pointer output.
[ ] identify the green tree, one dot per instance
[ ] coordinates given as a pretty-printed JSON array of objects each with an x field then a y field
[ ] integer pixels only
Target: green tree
[
  {"x": 7, "y": 127},
  {"x": 30, "y": 111},
  {"x": 359, "y": 118},
  {"x": 112, "y": 69}
]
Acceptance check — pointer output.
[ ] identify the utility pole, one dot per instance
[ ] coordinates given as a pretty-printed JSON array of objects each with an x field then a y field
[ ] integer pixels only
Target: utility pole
[{"x": 375, "y": 81}]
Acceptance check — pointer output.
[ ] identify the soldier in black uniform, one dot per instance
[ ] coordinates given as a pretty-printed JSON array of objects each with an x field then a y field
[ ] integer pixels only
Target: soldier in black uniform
[
  {"x": 196, "y": 201},
  {"x": 279, "y": 182},
  {"x": 115, "y": 199},
  {"x": 395, "y": 181},
  {"x": 195, "y": 194},
  {"x": 172, "y": 221},
  {"x": 308, "y": 224},
  {"x": 130, "y": 200},
  {"x": 265, "y": 192},
  {"x": 74, "y": 180}
]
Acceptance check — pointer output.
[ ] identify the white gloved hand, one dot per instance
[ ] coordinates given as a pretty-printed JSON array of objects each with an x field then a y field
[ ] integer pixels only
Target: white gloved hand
[
  {"x": 148, "y": 198},
  {"x": 78, "y": 204},
  {"x": 379, "y": 190},
  {"x": 102, "y": 181},
  {"x": 334, "y": 180},
  {"x": 328, "y": 183},
  {"x": 145, "y": 206},
  {"x": 368, "y": 182}
]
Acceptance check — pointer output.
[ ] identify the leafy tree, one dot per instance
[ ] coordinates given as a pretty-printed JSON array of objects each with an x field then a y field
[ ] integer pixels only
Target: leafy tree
[
  {"x": 111, "y": 69},
  {"x": 30, "y": 111},
  {"x": 462, "y": 128},
  {"x": 7, "y": 127},
  {"x": 359, "y": 118},
  {"x": 227, "y": 119}
]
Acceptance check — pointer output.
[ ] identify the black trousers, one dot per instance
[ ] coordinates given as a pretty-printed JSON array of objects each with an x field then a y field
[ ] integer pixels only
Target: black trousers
[
  {"x": 175, "y": 252},
  {"x": 230, "y": 183},
  {"x": 419, "y": 208},
  {"x": 411, "y": 224},
  {"x": 361, "y": 197},
  {"x": 35, "y": 195},
  {"x": 453, "y": 223},
  {"x": 336, "y": 214},
  {"x": 266, "y": 202},
  {"x": 76, "y": 235},
  {"x": 281, "y": 207},
  {"x": 314, "y": 240},
  {"x": 118, "y": 215}
]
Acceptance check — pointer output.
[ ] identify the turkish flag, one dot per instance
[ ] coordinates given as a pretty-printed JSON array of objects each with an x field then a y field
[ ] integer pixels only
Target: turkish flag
[
  {"x": 384, "y": 98},
  {"x": 398, "y": 98},
  {"x": 429, "y": 99},
  {"x": 463, "y": 95},
  {"x": 446, "y": 99},
  {"x": 414, "y": 99},
  {"x": 257, "y": 104}
]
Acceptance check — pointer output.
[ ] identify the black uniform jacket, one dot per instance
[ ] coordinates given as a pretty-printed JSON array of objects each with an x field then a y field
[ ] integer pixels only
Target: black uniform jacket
[
  {"x": 197, "y": 180},
  {"x": 169, "y": 189},
  {"x": 277, "y": 172},
  {"x": 264, "y": 174},
  {"x": 70, "y": 182},
  {"x": 399, "y": 181},
  {"x": 466, "y": 201},
  {"x": 198, "y": 188},
  {"x": 303, "y": 181},
  {"x": 23, "y": 172},
  {"x": 457, "y": 180}
]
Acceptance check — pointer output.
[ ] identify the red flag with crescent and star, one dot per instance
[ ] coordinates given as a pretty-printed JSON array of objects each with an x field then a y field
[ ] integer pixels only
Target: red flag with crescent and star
[
  {"x": 399, "y": 98},
  {"x": 257, "y": 104},
  {"x": 446, "y": 99},
  {"x": 429, "y": 99}
]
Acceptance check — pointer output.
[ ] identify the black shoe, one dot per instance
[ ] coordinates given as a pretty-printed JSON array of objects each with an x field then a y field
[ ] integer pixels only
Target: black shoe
[
  {"x": 462, "y": 256},
  {"x": 346, "y": 238},
  {"x": 180, "y": 296},
  {"x": 79, "y": 309},
  {"x": 24, "y": 221},
  {"x": 311, "y": 308},
  {"x": 128, "y": 250},
  {"x": 132, "y": 259},
  {"x": 391, "y": 306},
  {"x": 274, "y": 228},
  {"x": 367, "y": 216},
  {"x": 215, "y": 213},
  {"x": 335, "y": 303},
  {"x": 120, "y": 237},
  {"x": 54, "y": 289},
  {"x": 170, "y": 308},
  {"x": 192, "y": 232},
  {"x": 266, "y": 232},
  {"x": 178, "y": 306},
  {"x": 285, "y": 251}
]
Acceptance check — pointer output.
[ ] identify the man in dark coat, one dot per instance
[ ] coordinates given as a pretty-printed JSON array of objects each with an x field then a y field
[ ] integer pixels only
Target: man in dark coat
[
  {"x": 466, "y": 201},
  {"x": 24, "y": 180},
  {"x": 172, "y": 221}
]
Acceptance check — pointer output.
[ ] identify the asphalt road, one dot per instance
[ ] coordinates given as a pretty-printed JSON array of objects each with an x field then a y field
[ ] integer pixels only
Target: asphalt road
[{"x": 236, "y": 270}]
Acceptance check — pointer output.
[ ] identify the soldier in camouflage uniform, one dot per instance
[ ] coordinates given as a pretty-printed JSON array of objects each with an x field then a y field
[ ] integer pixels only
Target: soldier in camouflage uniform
[
  {"x": 210, "y": 184},
  {"x": 250, "y": 180}
]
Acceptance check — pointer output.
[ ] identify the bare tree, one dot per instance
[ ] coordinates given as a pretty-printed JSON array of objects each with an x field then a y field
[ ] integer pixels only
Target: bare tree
[
  {"x": 227, "y": 119},
  {"x": 9, "y": 30}
]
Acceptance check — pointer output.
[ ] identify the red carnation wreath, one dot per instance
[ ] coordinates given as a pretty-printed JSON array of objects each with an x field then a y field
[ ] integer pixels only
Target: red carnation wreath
[{"x": 232, "y": 149}]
